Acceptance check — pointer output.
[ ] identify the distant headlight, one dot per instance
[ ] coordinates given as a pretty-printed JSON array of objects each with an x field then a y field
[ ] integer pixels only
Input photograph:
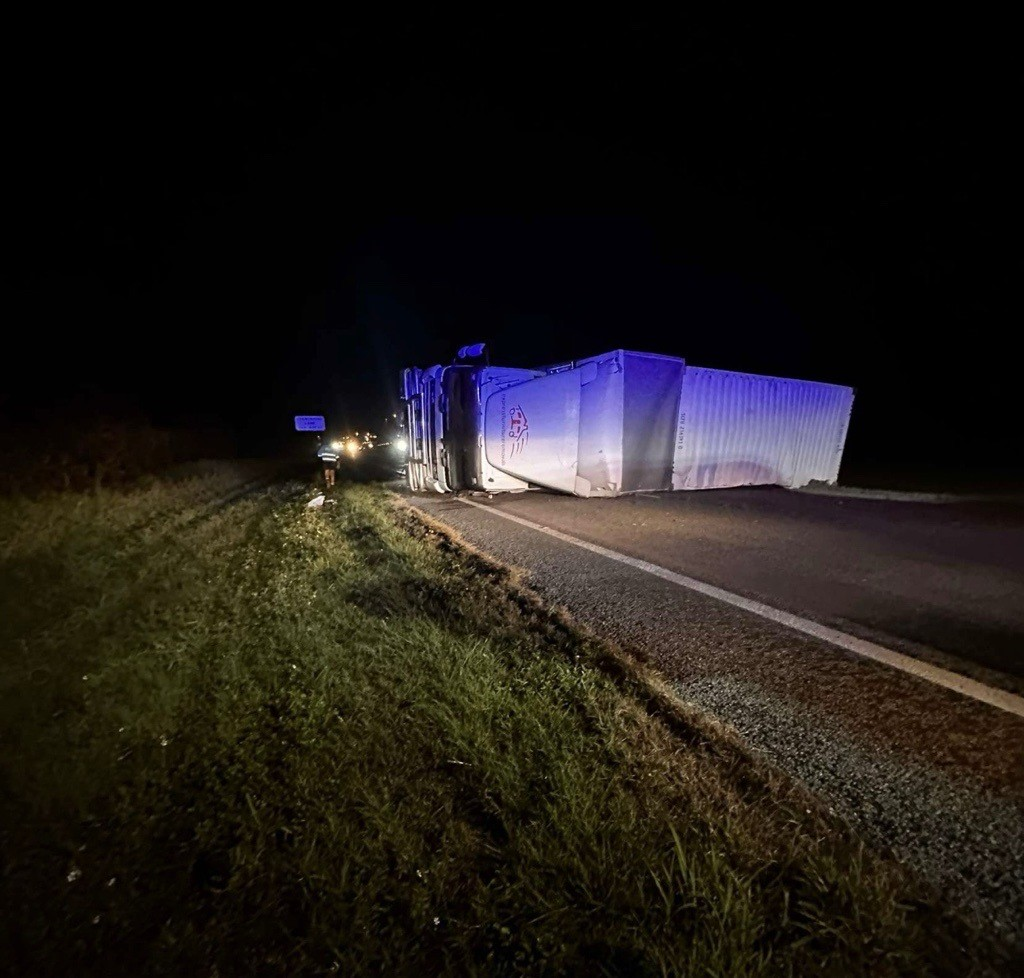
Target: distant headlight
[
  {"x": 352, "y": 447},
  {"x": 401, "y": 444},
  {"x": 336, "y": 445}
]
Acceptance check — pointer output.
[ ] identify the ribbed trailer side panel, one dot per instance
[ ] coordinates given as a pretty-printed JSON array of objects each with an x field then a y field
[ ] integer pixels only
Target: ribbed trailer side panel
[{"x": 738, "y": 429}]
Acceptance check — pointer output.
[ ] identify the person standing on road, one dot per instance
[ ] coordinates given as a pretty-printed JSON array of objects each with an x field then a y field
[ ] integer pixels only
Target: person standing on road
[{"x": 328, "y": 455}]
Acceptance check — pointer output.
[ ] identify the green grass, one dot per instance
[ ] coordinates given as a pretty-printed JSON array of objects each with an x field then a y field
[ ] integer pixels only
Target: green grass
[{"x": 260, "y": 739}]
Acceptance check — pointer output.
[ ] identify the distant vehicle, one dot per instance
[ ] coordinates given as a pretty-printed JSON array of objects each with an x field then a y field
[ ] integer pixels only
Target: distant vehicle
[{"x": 616, "y": 423}]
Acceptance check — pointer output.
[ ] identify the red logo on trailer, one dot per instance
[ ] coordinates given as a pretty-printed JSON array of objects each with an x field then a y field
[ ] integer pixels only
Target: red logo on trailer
[{"x": 518, "y": 430}]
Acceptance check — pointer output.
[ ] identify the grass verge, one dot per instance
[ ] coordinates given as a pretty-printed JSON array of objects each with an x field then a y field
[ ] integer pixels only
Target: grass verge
[{"x": 264, "y": 739}]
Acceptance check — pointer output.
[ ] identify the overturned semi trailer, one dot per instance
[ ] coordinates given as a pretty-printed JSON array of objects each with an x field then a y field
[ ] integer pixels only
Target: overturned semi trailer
[{"x": 620, "y": 422}]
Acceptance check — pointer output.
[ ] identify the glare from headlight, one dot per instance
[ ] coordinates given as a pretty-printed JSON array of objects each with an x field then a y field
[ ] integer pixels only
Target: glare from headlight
[
  {"x": 336, "y": 445},
  {"x": 401, "y": 444}
]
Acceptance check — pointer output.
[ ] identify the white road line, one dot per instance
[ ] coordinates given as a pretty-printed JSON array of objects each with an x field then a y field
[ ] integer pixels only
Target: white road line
[{"x": 999, "y": 698}]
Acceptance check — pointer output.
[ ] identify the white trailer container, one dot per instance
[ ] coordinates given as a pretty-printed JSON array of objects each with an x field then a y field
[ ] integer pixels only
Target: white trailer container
[{"x": 620, "y": 422}]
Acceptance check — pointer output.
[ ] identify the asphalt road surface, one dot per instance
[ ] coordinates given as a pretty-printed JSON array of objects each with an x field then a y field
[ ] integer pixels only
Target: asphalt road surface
[
  {"x": 933, "y": 775},
  {"x": 944, "y": 581}
]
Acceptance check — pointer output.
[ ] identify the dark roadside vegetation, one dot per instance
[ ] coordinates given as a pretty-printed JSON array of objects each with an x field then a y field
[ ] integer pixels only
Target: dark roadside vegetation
[
  {"x": 245, "y": 736},
  {"x": 975, "y": 477},
  {"x": 98, "y": 453}
]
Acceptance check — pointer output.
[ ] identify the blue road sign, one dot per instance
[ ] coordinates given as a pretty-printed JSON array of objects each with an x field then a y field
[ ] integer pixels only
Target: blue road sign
[{"x": 309, "y": 422}]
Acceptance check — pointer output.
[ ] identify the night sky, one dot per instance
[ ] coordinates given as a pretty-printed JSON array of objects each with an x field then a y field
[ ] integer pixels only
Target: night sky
[{"x": 231, "y": 226}]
